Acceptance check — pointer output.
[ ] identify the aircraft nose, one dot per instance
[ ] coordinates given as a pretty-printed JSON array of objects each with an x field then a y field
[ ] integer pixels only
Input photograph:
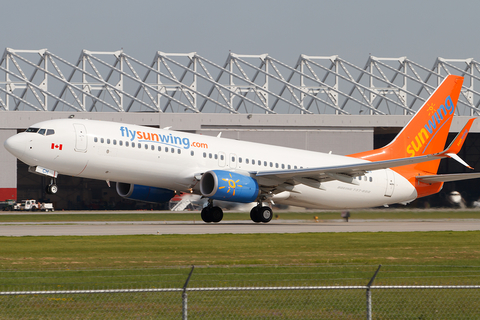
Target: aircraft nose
[{"x": 15, "y": 145}]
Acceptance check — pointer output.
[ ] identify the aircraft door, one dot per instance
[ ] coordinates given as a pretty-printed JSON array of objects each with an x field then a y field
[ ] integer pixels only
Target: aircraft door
[
  {"x": 233, "y": 160},
  {"x": 221, "y": 159},
  {"x": 80, "y": 137},
  {"x": 390, "y": 183}
]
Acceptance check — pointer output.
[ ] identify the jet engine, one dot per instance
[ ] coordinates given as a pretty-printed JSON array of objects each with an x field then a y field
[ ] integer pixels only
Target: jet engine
[
  {"x": 144, "y": 193},
  {"x": 228, "y": 186}
]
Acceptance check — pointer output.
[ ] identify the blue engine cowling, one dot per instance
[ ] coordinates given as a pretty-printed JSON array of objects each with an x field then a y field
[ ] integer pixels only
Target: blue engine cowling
[
  {"x": 144, "y": 193},
  {"x": 228, "y": 186}
]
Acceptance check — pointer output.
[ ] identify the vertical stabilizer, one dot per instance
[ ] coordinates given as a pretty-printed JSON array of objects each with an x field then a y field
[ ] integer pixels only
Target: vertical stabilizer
[{"x": 425, "y": 133}]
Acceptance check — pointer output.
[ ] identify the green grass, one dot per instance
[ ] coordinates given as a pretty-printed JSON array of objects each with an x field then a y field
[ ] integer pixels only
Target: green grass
[
  {"x": 340, "y": 258},
  {"x": 80, "y": 252},
  {"x": 195, "y": 216},
  {"x": 226, "y": 260}
]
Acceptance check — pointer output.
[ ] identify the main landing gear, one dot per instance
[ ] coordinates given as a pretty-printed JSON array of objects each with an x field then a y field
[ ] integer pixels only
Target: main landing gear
[
  {"x": 52, "y": 187},
  {"x": 258, "y": 213},
  {"x": 261, "y": 214},
  {"x": 211, "y": 213}
]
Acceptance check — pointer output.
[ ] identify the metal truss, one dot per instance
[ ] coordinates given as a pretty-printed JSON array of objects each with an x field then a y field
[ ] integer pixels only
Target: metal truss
[{"x": 114, "y": 81}]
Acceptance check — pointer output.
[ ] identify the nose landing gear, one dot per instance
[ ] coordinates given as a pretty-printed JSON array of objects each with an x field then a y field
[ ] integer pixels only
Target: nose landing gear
[{"x": 52, "y": 187}]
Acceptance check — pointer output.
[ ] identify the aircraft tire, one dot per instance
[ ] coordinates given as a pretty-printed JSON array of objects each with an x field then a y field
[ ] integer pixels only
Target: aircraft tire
[
  {"x": 216, "y": 214},
  {"x": 266, "y": 214},
  {"x": 206, "y": 215},
  {"x": 53, "y": 188},
  {"x": 255, "y": 214}
]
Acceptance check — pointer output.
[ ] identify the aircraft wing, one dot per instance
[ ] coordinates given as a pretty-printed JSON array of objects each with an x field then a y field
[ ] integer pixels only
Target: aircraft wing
[
  {"x": 352, "y": 169},
  {"x": 346, "y": 173}
]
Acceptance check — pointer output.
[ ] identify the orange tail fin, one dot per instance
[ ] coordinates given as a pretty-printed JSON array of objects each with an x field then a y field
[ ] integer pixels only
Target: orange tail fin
[{"x": 425, "y": 133}]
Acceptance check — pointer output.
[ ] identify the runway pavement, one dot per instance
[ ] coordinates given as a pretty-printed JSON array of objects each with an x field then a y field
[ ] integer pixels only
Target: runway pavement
[{"x": 234, "y": 227}]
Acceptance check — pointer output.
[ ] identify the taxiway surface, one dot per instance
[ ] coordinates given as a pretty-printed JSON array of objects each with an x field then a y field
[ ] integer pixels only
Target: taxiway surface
[{"x": 234, "y": 227}]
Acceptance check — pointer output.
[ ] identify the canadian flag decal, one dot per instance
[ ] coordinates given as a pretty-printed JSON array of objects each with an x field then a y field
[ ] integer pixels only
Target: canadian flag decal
[{"x": 57, "y": 146}]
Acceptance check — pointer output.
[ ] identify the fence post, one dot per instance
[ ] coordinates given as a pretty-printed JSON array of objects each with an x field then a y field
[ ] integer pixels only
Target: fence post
[
  {"x": 369, "y": 295},
  {"x": 184, "y": 296}
]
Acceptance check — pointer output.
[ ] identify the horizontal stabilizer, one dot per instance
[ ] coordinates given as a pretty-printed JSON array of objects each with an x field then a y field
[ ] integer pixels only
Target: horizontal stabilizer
[{"x": 448, "y": 177}]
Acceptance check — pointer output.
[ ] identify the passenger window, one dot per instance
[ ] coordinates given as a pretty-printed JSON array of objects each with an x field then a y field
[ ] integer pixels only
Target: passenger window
[
  {"x": 173, "y": 150},
  {"x": 139, "y": 145},
  {"x": 233, "y": 159},
  {"x": 159, "y": 148},
  {"x": 276, "y": 165},
  {"x": 204, "y": 154},
  {"x": 210, "y": 155},
  {"x": 146, "y": 146},
  {"x": 179, "y": 151},
  {"x": 108, "y": 141},
  {"x": 216, "y": 156},
  {"x": 253, "y": 161},
  {"x": 133, "y": 144},
  {"x": 120, "y": 143},
  {"x": 289, "y": 167},
  {"x": 192, "y": 153},
  {"x": 153, "y": 147},
  {"x": 102, "y": 140},
  {"x": 240, "y": 160},
  {"x": 95, "y": 139},
  {"x": 50, "y": 132},
  {"x": 127, "y": 143},
  {"x": 222, "y": 157},
  {"x": 371, "y": 179},
  {"x": 271, "y": 164},
  {"x": 246, "y": 161},
  {"x": 283, "y": 166},
  {"x": 265, "y": 163},
  {"x": 295, "y": 167},
  {"x": 114, "y": 142},
  {"x": 166, "y": 149}
]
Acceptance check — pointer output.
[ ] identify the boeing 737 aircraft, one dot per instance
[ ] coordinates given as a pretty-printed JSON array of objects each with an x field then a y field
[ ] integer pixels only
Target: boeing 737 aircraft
[{"x": 152, "y": 165}]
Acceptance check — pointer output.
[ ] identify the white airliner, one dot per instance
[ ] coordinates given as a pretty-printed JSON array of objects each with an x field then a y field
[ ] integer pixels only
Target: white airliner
[{"x": 152, "y": 165}]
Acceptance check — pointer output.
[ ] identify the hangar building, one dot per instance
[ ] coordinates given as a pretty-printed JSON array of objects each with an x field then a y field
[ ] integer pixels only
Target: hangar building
[{"x": 319, "y": 103}]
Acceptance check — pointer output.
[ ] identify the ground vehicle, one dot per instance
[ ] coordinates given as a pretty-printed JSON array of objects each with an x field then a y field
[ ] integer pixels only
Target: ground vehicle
[
  {"x": 32, "y": 205},
  {"x": 7, "y": 205}
]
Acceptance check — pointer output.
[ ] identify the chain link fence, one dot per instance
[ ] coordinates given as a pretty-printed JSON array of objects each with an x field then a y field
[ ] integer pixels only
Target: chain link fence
[
  {"x": 331, "y": 302},
  {"x": 248, "y": 302}
]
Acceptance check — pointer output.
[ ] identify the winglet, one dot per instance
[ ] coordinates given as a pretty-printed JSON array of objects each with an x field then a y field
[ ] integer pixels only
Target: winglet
[{"x": 457, "y": 143}]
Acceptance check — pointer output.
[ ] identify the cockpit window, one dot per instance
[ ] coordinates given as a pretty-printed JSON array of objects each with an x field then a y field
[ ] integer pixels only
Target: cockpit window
[
  {"x": 41, "y": 131},
  {"x": 32, "y": 130},
  {"x": 50, "y": 132}
]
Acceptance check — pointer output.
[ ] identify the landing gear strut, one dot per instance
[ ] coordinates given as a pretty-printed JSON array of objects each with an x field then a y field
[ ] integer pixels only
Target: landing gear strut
[
  {"x": 52, "y": 187},
  {"x": 211, "y": 213},
  {"x": 261, "y": 214}
]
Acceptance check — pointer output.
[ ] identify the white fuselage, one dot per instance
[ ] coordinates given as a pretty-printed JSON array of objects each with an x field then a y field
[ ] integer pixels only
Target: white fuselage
[{"x": 174, "y": 160}]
